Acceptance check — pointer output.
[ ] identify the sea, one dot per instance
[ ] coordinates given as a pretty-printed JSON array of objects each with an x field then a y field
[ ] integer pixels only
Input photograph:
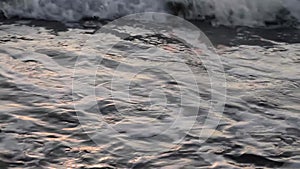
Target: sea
[{"x": 171, "y": 84}]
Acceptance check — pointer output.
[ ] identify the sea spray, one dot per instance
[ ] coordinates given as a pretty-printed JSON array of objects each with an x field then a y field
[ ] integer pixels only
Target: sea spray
[{"x": 226, "y": 12}]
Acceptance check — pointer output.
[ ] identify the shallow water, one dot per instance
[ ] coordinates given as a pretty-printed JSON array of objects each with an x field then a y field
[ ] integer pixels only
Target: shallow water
[{"x": 40, "y": 128}]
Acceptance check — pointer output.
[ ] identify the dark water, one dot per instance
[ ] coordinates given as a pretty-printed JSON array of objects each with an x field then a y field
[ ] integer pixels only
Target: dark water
[{"x": 40, "y": 128}]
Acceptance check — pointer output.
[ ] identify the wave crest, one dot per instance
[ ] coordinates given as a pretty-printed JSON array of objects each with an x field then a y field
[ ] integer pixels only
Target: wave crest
[{"x": 225, "y": 12}]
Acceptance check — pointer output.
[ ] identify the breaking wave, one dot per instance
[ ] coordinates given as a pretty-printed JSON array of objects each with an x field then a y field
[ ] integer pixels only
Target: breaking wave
[{"x": 218, "y": 12}]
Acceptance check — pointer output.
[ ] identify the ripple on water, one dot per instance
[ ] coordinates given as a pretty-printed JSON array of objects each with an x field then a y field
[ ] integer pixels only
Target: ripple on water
[{"x": 39, "y": 127}]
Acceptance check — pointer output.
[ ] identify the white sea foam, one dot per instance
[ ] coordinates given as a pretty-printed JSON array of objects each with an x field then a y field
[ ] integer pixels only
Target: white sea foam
[
  {"x": 219, "y": 12},
  {"x": 247, "y": 12}
]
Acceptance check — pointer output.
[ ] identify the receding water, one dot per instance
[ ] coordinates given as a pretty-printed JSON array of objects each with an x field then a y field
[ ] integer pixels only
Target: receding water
[{"x": 40, "y": 128}]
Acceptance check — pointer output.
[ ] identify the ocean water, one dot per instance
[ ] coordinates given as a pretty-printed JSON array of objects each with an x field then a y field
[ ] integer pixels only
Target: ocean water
[
  {"x": 225, "y": 12},
  {"x": 64, "y": 97}
]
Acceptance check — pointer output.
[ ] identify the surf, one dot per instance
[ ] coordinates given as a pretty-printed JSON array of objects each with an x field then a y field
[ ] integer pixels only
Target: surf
[{"x": 254, "y": 13}]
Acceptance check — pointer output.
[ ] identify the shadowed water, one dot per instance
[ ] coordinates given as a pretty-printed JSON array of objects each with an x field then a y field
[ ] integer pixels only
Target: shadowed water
[{"x": 40, "y": 128}]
